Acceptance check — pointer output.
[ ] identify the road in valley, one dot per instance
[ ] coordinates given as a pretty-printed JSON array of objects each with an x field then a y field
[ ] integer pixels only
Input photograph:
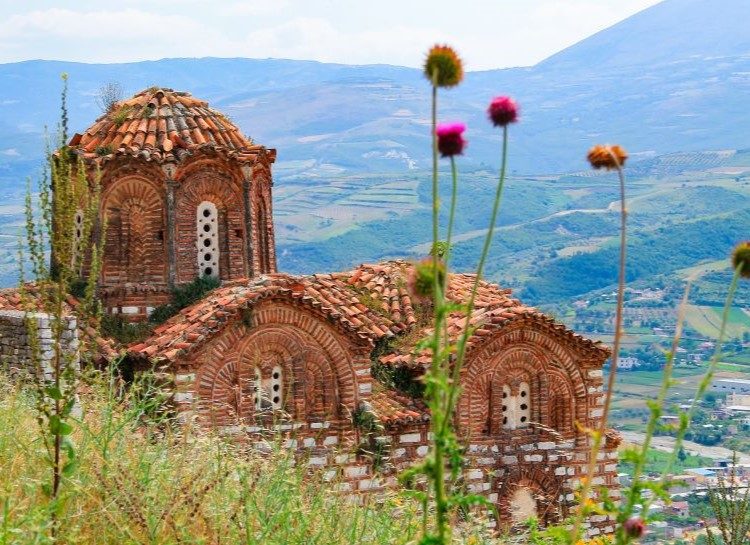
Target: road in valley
[{"x": 666, "y": 444}]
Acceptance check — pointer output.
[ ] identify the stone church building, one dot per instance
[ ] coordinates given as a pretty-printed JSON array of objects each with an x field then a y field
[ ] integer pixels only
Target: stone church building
[{"x": 320, "y": 358}]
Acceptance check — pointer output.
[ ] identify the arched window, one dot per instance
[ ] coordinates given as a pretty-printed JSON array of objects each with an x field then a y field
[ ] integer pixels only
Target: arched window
[
  {"x": 516, "y": 408},
  {"x": 268, "y": 390},
  {"x": 208, "y": 239}
]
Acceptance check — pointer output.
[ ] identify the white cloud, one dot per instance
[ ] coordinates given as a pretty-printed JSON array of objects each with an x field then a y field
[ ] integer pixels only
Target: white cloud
[
  {"x": 489, "y": 33},
  {"x": 10, "y": 152}
]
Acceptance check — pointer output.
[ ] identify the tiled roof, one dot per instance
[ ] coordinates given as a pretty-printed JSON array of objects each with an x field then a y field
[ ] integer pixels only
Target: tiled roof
[
  {"x": 164, "y": 125},
  {"x": 10, "y": 299},
  {"x": 394, "y": 408},
  {"x": 370, "y": 302},
  {"x": 321, "y": 293}
]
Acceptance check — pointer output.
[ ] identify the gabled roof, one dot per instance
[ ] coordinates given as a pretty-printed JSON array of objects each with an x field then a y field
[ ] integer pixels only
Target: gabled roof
[
  {"x": 160, "y": 124},
  {"x": 335, "y": 300},
  {"x": 370, "y": 302}
]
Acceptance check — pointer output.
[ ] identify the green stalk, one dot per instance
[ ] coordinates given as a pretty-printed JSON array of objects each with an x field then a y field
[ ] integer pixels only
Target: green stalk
[
  {"x": 436, "y": 368},
  {"x": 451, "y": 218},
  {"x": 656, "y": 407},
  {"x": 598, "y": 435},
  {"x": 706, "y": 380},
  {"x": 461, "y": 351}
]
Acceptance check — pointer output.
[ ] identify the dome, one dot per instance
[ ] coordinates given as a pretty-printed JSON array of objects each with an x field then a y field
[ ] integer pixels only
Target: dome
[{"x": 161, "y": 125}]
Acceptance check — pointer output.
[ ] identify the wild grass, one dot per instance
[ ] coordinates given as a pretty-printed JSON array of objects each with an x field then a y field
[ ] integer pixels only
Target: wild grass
[{"x": 143, "y": 480}]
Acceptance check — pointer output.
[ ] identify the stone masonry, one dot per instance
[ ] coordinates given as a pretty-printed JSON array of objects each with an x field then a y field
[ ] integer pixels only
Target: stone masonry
[{"x": 16, "y": 354}]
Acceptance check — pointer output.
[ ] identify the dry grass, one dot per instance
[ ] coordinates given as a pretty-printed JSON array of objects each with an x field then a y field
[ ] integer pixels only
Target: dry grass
[{"x": 142, "y": 480}]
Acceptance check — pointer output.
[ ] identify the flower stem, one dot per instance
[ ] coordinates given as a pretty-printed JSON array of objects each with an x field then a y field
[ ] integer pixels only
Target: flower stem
[
  {"x": 598, "y": 435},
  {"x": 706, "y": 380},
  {"x": 451, "y": 218},
  {"x": 435, "y": 391},
  {"x": 461, "y": 350}
]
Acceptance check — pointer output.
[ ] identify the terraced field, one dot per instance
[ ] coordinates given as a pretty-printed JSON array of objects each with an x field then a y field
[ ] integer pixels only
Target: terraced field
[
  {"x": 707, "y": 319},
  {"x": 306, "y": 213}
]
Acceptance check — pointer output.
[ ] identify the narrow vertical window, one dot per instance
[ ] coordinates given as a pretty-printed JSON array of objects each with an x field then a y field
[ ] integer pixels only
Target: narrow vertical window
[
  {"x": 208, "y": 239},
  {"x": 524, "y": 405},
  {"x": 257, "y": 393},
  {"x": 507, "y": 408},
  {"x": 78, "y": 234},
  {"x": 276, "y": 388}
]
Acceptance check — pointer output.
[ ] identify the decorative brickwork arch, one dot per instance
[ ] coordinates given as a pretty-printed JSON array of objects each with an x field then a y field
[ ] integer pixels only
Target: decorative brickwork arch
[
  {"x": 500, "y": 366},
  {"x": 134, "y": 240},
  {"x": 315, "y": 362},
  {"x": 210, "y": 186},
  {"x": 264, "y": 239},
  {"x": 528, "y": 483},
  {"x": 562, "y": 403}
]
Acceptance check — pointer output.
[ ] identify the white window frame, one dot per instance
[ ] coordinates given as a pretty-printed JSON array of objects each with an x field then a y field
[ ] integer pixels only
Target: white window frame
[
  {"x": 207, "y": 239},
  {"x": 516, "y": 409}
]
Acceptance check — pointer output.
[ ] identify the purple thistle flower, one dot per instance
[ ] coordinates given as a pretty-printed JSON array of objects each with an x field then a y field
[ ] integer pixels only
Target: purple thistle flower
[
  {"x": 502, "y": 111},
  {"x": 450, "y": 139}
]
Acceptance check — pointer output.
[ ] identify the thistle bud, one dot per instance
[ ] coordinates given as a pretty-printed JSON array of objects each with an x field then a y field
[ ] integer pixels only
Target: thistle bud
[
  {"x": 444, "y": 65},
  {"x": 608, "y": 157},
  {"x": 741, "y": 258}
]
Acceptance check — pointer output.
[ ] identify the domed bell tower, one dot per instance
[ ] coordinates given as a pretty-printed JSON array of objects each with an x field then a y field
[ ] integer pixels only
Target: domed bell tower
[{"x": 183, "y": 195}]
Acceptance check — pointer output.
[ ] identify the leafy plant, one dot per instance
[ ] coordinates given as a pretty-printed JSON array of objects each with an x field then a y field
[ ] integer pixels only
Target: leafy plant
[
  {"x": 101, "y": 151},
  {"x": 121, "y": 115},
  {"x": 108, "y": 96},
  {"x": 184, "y": 296},
  {"x": 68, "y": 208},
  {"x": 442, "y": 466}
]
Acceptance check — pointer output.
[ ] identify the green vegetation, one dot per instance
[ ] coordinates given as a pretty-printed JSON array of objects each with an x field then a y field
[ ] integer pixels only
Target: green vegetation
[
  {"x": 125, "y": 332},
  {"x": 139, "y": 480},
  {"x": 664, "y": 250},
  {"x": 657, "y": 461}
]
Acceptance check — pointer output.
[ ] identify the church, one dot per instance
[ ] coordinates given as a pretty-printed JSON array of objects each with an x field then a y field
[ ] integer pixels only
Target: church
[{"x": 328, "y": 361}]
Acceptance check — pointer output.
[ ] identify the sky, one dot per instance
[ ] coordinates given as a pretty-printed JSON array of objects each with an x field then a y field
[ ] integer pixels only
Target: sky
[{"x": 488, "y": 33}]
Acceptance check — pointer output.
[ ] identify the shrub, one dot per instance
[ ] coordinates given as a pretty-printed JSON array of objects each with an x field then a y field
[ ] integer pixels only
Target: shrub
[{"x": 186, "y": 295}]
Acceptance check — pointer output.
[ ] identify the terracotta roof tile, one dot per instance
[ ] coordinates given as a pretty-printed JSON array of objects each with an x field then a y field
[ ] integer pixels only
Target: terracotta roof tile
[
  {"x": 369, "y": 302},
  {"x": 155, "y": 121},
  {"x": 394, "y": 408}
]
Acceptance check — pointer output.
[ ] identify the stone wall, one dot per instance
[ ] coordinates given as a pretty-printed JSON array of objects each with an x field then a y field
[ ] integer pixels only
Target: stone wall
[{"x": 15, "y": 350}]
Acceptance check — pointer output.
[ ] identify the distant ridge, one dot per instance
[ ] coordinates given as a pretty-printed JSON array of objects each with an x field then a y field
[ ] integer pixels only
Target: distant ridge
[
  {"x": 674, "y": 77},
  {"x": 671, "y": 31}
]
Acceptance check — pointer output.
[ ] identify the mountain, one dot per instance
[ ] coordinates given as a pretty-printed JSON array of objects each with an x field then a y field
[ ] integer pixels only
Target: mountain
[
  {"x": 668, "y": 84},
  {"x": 674, "y": 77}
]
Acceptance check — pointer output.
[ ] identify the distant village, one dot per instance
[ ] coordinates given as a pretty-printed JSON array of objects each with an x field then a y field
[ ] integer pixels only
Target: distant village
[
  {"x": 649, "y": 318},
  {"x": 687, "y": 513}
]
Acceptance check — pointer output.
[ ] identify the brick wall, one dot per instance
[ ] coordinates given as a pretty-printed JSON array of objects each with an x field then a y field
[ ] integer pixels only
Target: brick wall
[{"x": 326, "y": 379}]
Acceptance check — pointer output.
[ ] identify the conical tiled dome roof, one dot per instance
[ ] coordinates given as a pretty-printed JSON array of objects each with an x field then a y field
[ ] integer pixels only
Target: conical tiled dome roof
[{"x": 163, "y": 125}]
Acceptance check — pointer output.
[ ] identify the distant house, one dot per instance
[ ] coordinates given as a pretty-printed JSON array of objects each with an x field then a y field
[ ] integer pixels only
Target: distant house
[
  {"x": 731, "y": 386},
  {"x": 628, "y": 362},
  {"x": 702, "y": 474},
  {"x": 680, "y": 508},
  {"x": 683, "y": 483}
]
